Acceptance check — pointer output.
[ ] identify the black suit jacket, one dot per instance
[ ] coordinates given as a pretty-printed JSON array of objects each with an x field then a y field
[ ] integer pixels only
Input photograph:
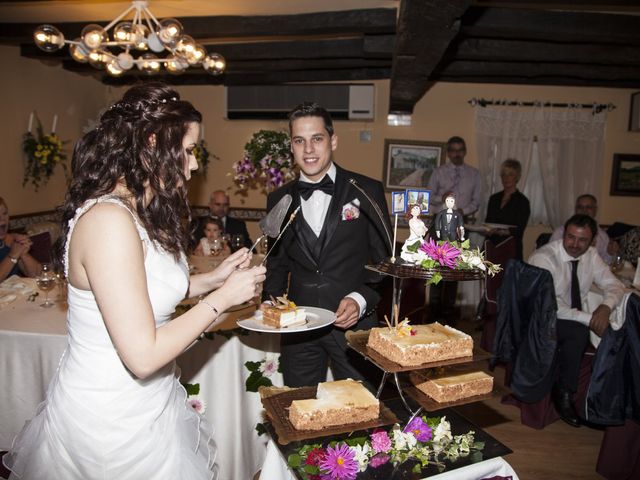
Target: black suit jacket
[
  {"x": 448, "y": 230},
  {"x": 321, "y": 271}
]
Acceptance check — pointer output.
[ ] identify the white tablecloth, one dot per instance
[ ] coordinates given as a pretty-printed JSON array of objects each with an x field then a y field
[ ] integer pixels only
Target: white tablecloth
[
  {"x": 32, "y": 340},
  {"x": 275, "y": 468}
]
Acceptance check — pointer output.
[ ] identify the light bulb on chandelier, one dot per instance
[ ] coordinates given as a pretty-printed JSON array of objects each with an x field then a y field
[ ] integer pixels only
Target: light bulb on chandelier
[{"x": 144, "y": 33}]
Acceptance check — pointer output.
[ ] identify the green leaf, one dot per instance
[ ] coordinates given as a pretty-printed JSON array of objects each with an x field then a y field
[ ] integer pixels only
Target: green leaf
[
  {"x": 253, "y": 366},
  {"x": 417, "y": 468},
  {"x": 294, "y": 460},
  {"x": 261, "y": 429},
  {"x": 256, "y": 380},
  {"x": 192, "y": 388}
]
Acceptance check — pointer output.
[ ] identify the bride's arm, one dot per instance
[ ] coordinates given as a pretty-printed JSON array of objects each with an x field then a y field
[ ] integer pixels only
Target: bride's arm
[
  {"x": 205, "y": 282},
  {"x": 107, "y": 257}
]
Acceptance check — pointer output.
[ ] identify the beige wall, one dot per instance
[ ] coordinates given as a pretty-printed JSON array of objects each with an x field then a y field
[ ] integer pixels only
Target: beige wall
[{"x": 442, "y": 112}]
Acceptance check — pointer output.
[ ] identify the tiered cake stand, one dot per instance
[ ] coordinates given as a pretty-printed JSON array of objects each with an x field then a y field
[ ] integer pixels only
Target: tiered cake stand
[{"x": 357, "y": 340}]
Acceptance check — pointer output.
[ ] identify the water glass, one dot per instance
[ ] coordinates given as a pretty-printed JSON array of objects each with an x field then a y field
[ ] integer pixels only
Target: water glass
[
  {"x": 46, "y": 281},
  {"x": 237, "y": 241},
  {"x": 617, "y": 263}
]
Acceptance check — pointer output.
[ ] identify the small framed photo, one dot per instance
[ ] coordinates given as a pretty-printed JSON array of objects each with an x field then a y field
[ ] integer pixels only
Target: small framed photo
[
  {"x": 398, "y": 202},
  {"x": 410, "y": 163},
  {"x": 419, "y": 197},
  {"x": 625, "y": 177}
]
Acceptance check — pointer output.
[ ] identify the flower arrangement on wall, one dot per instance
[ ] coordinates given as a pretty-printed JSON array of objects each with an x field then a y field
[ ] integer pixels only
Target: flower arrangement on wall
[
  {"x": 43, "y": 153},
  {"x": 266, "y": 163}
]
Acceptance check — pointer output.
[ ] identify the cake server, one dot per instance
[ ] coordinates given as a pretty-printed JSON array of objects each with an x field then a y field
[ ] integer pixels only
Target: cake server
[{"x": 271, "y": 223}]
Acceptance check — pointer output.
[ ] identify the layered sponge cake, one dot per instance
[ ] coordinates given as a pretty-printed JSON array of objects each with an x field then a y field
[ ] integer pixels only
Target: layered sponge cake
[
  {"x": 414, "y": 345},
  {"x": 450, "y": 387},
  {"x": 336, "y": 403},
  {"x": 283, "y": 313}
]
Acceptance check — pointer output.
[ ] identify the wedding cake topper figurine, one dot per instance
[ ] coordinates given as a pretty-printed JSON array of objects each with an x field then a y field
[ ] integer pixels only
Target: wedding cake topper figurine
[
  {"x": 417, "y": 231},
  {"x": 448, "y": 224}
]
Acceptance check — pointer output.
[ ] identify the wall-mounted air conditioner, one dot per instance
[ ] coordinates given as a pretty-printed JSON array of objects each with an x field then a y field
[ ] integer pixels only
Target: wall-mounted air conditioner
[{"x": 343, "y": 101}]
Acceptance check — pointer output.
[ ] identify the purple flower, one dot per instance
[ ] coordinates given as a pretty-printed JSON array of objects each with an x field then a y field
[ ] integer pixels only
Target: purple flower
[
  {"x": 444, "y": 254},
  {"x": 419, "y": 429},
  {"x": 380, "y": 441},
  {"x": 379, "y": 460},
  {"x": 339, "y": 463}
]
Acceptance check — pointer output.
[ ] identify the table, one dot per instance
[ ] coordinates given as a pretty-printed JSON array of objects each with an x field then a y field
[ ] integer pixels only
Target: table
[{"x": 32, "y": 340}]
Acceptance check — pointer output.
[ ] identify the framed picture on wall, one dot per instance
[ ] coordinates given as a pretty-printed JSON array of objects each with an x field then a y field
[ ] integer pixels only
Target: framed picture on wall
[
  {"x": 408, "y": 164},
  {"x": 625, "y": 177}
]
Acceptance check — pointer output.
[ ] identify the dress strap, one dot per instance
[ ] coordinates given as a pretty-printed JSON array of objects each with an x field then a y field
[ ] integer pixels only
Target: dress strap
[{"x": 84, "y": 208}]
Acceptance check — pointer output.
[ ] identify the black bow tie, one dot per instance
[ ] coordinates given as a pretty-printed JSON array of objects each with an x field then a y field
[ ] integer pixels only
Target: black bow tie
[{"x": 305, "y": 189}]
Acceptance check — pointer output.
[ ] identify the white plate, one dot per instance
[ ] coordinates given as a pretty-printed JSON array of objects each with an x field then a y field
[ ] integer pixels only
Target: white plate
[{"x": 316, "y": 318}]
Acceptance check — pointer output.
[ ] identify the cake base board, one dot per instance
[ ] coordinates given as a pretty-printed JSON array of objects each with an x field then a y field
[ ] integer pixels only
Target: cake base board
[
  {"x": 357, "y": 340},
  {"x": 277, "y": 407}
]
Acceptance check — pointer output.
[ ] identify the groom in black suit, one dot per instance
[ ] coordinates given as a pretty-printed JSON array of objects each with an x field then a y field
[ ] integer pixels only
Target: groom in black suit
[{"x": 320, "y": 260}]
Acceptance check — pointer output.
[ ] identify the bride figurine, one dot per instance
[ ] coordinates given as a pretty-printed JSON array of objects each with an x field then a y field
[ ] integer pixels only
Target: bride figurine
[{"x": 417, "y": 232}]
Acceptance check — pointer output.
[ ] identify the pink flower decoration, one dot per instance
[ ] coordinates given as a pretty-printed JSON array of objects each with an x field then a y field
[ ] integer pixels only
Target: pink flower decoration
[
  {"x": 379, "y": 460},
  {"x": 339, "y": 463},
  {"x": 197, "y": 404},
  {"x": 269, "y": 367},
  {"x": 444, "y": 254},
  {"x": 419, "y": 429},
  {"x": 380, "y": 441}
]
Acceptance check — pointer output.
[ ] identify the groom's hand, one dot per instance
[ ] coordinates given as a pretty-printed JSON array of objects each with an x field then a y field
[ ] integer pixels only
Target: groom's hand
[{"x": 348, "y": 313}]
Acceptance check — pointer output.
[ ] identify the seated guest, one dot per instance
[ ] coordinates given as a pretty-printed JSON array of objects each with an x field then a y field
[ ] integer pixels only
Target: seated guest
[
  {"x": 575, "y": 266},
  {"x": 219, "y": 208},
  {"x": 509, "y": 206},
  {"x": 14, "y": 250},
  {"x": 212, "y": 243},
  {"x": 587, "y": 204},
  {"x": 627, "y": 245}
]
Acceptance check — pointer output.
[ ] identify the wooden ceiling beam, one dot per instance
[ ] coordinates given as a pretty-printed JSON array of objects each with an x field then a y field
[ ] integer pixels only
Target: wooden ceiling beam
[
  {"x": 558, "y": 26},
  {"x": 370, "y": 21},
  {"x": 555, "y": 81},
  {"x": 539, "y": 70},
  {"x": 531, "y": 51},
  {"x": 425, "y": 29}
]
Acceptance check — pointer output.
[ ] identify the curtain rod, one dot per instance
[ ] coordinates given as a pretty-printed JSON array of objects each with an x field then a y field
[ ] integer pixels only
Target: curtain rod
[{"x": 595, "y": 107}]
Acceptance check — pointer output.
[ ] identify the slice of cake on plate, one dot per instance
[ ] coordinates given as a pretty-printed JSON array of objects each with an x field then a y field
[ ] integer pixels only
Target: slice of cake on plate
[
  {"x": 283, "y": 313},
  {"x": 453, "y": 386},
  {"x": 413, "y": 345},
  {"x": 336, "y": 403}
]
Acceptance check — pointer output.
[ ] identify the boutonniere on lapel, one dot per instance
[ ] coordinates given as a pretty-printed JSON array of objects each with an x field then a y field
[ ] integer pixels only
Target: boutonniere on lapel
[{"x": 351, "y": 210}]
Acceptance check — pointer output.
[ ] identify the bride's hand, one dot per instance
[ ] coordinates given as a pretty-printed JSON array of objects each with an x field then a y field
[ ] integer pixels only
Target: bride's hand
[
  {"x": 237, "y": 260},
  {"x": 240, "y": 286}
]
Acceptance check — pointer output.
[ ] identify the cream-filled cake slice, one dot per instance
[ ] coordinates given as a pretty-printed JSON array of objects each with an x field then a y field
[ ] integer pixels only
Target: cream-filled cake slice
[
  {"x": 336, "y": 403},
  {"x": 283, "y": 313}
]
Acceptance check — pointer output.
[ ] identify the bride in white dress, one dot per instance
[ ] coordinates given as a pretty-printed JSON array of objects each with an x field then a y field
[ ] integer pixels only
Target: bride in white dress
[{"x": 115, "y": 408}]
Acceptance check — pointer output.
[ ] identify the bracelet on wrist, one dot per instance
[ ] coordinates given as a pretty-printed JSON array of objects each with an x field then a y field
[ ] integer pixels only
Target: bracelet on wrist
[
  {"x": 13, "y": 260},
  {"x": 214, "y": 309}
]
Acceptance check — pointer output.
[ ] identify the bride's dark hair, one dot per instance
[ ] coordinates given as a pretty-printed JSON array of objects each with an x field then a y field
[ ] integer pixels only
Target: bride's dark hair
[{"x": 138, "y": 141}]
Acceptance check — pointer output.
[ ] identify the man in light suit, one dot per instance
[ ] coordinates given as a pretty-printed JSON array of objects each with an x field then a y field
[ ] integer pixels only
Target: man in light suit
[{"x": 320, "y": 260}]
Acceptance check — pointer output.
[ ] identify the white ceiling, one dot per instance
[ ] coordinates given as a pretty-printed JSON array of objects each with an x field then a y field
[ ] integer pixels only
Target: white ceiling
[{"x": 105, "y": 10}]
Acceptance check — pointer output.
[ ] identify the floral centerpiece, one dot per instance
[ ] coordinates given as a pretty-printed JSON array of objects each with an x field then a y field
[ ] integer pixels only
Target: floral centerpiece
[
  {"x": 43, "y": 153},
  {"x": 423, "y": 441},
  {"x": 449, "y": 255},
  {"x": 266, "y": 162}
]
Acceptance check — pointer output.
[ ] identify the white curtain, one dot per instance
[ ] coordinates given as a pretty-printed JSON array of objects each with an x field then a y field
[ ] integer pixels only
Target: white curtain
[{"x": 561, "y": 152}]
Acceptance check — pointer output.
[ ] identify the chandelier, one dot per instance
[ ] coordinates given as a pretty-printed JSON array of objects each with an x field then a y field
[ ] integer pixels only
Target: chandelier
[{"x": 142, "y": 34}]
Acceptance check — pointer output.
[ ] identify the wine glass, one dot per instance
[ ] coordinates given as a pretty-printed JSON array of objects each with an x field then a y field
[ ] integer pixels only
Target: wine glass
[
  {"x": 45, "y": 282},
  {"x": 215, "y": 246},
  {"x": 237, "y": 241},
  {"x": 617, "y": 263}
]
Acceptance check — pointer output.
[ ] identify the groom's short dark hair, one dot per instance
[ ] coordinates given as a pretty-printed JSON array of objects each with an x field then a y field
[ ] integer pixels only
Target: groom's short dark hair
[{"x": 311, "y": 109}]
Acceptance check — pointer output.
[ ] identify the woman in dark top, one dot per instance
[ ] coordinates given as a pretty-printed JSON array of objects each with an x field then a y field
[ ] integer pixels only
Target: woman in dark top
[{"x": 509, "y": 207}]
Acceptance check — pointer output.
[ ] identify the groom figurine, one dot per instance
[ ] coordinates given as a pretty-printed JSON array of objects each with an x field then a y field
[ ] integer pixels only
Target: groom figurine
[{"x": 320, "y": 260}]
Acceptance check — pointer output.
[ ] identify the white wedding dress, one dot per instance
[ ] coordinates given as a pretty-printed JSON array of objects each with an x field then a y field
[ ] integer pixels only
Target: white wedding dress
[{"x": 98, "y": 421}]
